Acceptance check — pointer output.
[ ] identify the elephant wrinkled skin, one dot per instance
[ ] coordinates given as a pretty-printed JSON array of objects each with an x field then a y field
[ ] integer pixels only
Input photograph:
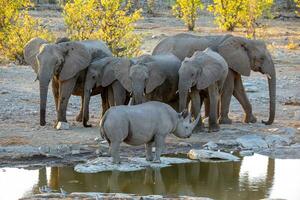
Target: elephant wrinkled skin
[
  {"x": 204, "y": 75},
  {"x": 65, "y": 63},
  {"x": 242, "y": 55}
]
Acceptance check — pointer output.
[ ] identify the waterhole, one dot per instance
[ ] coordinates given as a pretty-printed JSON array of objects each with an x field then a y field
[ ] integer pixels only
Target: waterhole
[{"x": 254, "y": 177}]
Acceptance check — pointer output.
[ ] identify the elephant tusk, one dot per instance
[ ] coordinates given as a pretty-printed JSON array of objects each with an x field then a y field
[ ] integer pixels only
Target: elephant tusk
[
  {"x": 190, "y": 90},
  {"x": 177, "y": 91},
  {"x": 268, "y": 75}
]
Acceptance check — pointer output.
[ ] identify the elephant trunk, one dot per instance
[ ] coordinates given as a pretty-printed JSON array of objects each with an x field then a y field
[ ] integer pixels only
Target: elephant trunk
[
  {"x": 272, "y": 97},
  {"x": 86, "y": 101},
  {"x": 44, "y": 83},
  {"x": 183, "y": 88},
  {"x": 138, "y": 92}
]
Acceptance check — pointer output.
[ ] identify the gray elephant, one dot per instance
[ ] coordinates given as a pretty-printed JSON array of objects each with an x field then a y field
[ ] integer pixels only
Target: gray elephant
[
  {"x": 146, "y": 123},
  {"x": 242, "y": 55},
  {"x": 100, "y": 76},
  {"x": 204, "y": 75},
  {"x": 65, "y": 63},
  {"x": 150, "y": 77}
]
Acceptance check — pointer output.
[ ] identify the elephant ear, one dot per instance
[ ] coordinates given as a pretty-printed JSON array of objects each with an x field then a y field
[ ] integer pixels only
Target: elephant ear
[
  {"x": 31, "y": 49},
  {"x": 76, "y": 58},
  {"x": 156, "y": 77},
  {"x": 122, "y": 69},
  {"x": 108, "y": 73},
  {"x": 212, "y": 69},
  {"x": 234, "y": 51}
]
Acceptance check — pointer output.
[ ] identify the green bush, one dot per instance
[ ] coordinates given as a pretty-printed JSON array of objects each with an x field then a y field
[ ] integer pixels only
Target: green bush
[{"x": 108, "y": 20}]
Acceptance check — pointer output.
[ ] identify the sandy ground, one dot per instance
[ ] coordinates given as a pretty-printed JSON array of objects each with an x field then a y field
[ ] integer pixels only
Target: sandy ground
[{"x": 19, "y": 97}]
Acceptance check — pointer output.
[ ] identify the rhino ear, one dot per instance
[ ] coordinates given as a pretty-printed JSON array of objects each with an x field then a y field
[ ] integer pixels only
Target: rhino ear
[
  {"x": 76, "y": 58},
  {"x": 234, "y": 51},
  {"x": 31, "y": 50}
]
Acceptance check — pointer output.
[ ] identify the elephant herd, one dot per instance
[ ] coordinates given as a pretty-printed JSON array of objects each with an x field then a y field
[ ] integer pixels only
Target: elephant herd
[{"x": 182, "y": 70}]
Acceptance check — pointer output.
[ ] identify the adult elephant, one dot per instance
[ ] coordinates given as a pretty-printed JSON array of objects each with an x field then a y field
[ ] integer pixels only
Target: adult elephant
[
  {"x": 242, "y": 56},
  {"x": 64, "y": 62},
  {"x": 148, "y": 77}
]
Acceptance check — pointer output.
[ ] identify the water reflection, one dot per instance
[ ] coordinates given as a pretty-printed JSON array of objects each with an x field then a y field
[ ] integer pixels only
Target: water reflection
[{"x": 254, "y": 177}]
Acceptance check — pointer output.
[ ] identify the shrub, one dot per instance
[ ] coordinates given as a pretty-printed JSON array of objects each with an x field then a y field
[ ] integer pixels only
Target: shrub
[
  {"x": 187, "y": 10},
  {"x": 239, "y": 13},
  {"x": 108, "y": 20},
  {"x": 297, "y": 2},
  {"x": 227, "y": 13},
  {"x": 17, "y": 27}
]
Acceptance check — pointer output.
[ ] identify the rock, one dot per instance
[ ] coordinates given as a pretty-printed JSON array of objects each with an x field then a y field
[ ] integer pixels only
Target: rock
[
  {"x": 277, "y": 140},
  {"x": 228, "y": 143},
  {"x": 254, "y": 142},
  {"x": 12, "y": 65},
  {"x": 185, "y": 144},
  {"x": 204, "y": 155},
  {"x": 62, "y": 126},
  {"x": 246, "y": 153},
  {"x": 211, "y": 146},
  {"x": 101, "y": 164}
]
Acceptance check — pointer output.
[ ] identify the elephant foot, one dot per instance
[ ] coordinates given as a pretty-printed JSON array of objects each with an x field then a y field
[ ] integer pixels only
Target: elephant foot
[
  {"x": 86, "y": 125},
  {"x": 79, "y": 118},
  {"x": 149, "y": 158},
  {"x": 250, "y": 119},
  {"x": 214, "y": 128},
  {"x": 225, "y": 120},
  {"x": 62, "y": 126}
]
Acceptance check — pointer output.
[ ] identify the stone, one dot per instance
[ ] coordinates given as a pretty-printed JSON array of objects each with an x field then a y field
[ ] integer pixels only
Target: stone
[
  {"x": 277, "y": 140},
  {"x": 253, "y": 142},
  {"x": 211, "y": 146},
  {"x": 204, "y": 155},
  {"x": 101, "y": 164},
  {"x": 62, "y": 126},
  {"x": 246, "y": 153},
  {"x": 185, "y": 144}
]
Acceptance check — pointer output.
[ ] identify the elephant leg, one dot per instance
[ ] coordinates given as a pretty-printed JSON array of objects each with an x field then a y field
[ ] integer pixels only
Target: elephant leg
[
  {"x": 226, "y": 98},
  {"x": 240, "y": 94},
  {"x": 119, "y": 93},
  {"x": 213, "y": 108},
  {"x": 80, "y": 114},
  {"x": 65, "y": 90},
  {"x": 196, "y": 109},
  {"x": 110, "y": 95},
  {"x": 55, "y": 91},
  {"x": 206, "y": 104},
  {"x": 105, "y": 105}
]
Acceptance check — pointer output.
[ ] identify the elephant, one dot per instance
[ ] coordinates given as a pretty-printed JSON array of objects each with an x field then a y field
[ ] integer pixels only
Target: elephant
[
  {"x": 65, "y": 63},
  {"x": 145, "y": 123},
  {"x": 150, "y": 77},
  {"x": 100, "y": 76},
  {"x": 242, "y": 55},
  {"x": 204, "y": 75}
]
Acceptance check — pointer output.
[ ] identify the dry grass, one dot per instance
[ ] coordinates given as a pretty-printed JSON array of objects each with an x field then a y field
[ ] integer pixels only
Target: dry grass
[{"x": 14, "y": 140}]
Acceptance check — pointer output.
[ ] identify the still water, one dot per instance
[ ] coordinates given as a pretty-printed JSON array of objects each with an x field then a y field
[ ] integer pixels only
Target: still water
[{"x": 255, "y": 177}]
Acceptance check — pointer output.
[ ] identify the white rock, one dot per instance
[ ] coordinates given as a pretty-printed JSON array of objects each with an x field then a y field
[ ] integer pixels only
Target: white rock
[
  {"x": 277, "y": 140},
  {"x": 62, "y": 126},
  {"x": 203, "y": 155},
  {"x": 252, "y": 142},
  {"x": 211, "y": 146},
  {"x": 184, "y": 144}
]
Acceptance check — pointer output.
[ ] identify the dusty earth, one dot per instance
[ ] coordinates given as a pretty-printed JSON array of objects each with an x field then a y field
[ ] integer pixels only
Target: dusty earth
[{"x": 23, "y": 142}]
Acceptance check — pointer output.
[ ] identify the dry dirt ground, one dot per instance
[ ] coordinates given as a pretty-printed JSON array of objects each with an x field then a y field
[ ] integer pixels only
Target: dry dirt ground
[{"x": 23, "y": 141}]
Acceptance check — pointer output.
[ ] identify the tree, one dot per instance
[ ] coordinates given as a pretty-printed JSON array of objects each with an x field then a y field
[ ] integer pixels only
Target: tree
[
  {"x": 227, "y": 13},
  {"x": 108, "y": 20},
  {"x": 187, "y": 10},
  {"x": 239, "y": 13},
  {"x": 17, "y": 27}
]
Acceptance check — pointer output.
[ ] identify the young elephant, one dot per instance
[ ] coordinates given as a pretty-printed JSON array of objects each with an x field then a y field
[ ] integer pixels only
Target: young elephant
[
  {"x": 99, "y": 78},
  {"x": 203, "y": 75},
  {"x": 145, "y": 123}
]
